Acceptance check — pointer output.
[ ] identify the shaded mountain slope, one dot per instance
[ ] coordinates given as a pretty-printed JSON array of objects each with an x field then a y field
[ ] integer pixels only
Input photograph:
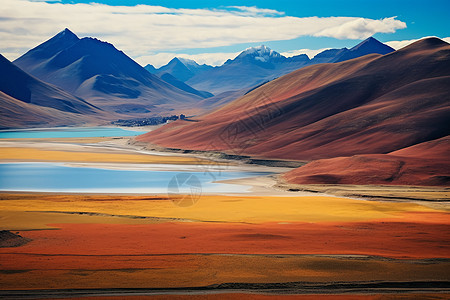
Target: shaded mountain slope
[
  {"x": 18, "y": 114},
  {"x": 18, "y": 84},
  {"x": 26, "y": 101},
  {"x": 372, "y": 104}
]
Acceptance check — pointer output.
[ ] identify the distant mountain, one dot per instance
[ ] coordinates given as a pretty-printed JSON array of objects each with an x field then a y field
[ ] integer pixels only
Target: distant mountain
[
  {"x": 177, "y": 69},
  {"x": 150, "y": 68},
  {"x": 103, "y": 75},
  {"x": 370, "y": 105},
  {"x": 193, "y": 66},
  {"x": 261, "y": 55},
  {"x": 28, "y": 102},
  {"x": 180, "y": 68},
  {"x": 251, "y": 67},
  {"x": 183, "y": 86},
  {"x": 368, "y": 46},
  {"x": 260, "y": 64}
]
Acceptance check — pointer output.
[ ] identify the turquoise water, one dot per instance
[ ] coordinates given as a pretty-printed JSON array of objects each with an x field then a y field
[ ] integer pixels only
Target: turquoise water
[
  {"x": 76, "y": 132},
  {"x": 57, "y": 177}
]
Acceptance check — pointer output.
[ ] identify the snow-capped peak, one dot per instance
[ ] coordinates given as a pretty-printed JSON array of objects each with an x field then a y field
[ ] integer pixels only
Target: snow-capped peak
[{"x": 261, "y": 53}]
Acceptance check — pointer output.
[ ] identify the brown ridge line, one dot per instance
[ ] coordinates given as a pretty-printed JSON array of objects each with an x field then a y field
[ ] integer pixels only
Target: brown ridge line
[
  {"x": 132, "y": 217},
  {"x": 283, "y": 255}
]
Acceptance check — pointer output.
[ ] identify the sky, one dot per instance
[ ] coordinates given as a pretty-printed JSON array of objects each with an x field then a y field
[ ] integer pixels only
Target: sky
[{"x": 208, "y": 31}]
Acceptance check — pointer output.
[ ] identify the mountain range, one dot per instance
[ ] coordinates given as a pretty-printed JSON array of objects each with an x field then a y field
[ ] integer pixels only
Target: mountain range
[
  {"x": 257, "y": 65},
  {"x": 372, "y": 105},
  {"x": 181, "y": 68},
  {"x": 106, "y": 77}
]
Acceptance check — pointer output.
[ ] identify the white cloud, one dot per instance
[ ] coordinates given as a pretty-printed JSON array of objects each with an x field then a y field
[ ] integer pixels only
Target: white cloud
[
  {"x": 144, "y": 29},
  {"x": 253, "y": 10},
  {"x": 358, "y": 28},
  {"x": 400, "y": 44},
  {"x": 311, "y": 53}
]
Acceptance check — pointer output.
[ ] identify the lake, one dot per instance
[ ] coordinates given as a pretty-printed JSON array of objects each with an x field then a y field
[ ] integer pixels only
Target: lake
[
  {"x": 60, "y": 177},
  {"x": 68, "y": 132}
]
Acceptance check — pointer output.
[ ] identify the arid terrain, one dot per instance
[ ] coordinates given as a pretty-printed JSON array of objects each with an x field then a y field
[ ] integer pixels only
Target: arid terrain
[{"x": 232, "y": 243}]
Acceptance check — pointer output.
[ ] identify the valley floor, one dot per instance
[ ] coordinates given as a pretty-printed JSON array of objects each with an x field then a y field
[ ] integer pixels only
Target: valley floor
[{"x": 292, "y": 242}]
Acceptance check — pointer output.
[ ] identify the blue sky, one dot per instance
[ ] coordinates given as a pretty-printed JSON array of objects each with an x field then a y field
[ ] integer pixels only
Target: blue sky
[{"x": 212, "y": 31}]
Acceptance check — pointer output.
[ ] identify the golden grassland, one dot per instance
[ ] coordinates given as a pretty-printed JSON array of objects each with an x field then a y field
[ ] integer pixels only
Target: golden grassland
[
  {"x": 210, "y": 208},
  {"x": 33, "y": 154}
]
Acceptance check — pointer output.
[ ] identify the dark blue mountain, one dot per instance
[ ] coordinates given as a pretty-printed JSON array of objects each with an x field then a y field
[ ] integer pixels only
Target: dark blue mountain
[
  {"x": 368, "y": 46},
  {"x": 101, "y": 74}
]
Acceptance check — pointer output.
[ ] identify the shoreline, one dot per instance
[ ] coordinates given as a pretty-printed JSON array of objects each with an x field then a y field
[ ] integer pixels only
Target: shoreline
[
  {"x": 273, "y": 185},
  {"x": 244, "y": 159}
]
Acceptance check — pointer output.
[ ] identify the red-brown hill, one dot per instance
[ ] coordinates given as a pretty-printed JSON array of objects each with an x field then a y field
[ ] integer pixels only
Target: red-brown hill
[
  {"x": 370, "y": 105},
  {"x": 423, "y": 164}
]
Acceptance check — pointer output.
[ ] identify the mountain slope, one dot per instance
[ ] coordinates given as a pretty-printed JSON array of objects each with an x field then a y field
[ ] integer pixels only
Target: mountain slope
[
  {"x": 18, "y": 84},
  {"x": 422, "y": 164},
  {"x": 103, "y": 75},
  {"x": 28, "y": 102},
  {"x": 373, "y": 104}
]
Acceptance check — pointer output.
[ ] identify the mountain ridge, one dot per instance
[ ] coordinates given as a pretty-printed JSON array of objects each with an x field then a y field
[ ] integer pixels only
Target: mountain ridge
[{"x": 261, "y": 64}]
